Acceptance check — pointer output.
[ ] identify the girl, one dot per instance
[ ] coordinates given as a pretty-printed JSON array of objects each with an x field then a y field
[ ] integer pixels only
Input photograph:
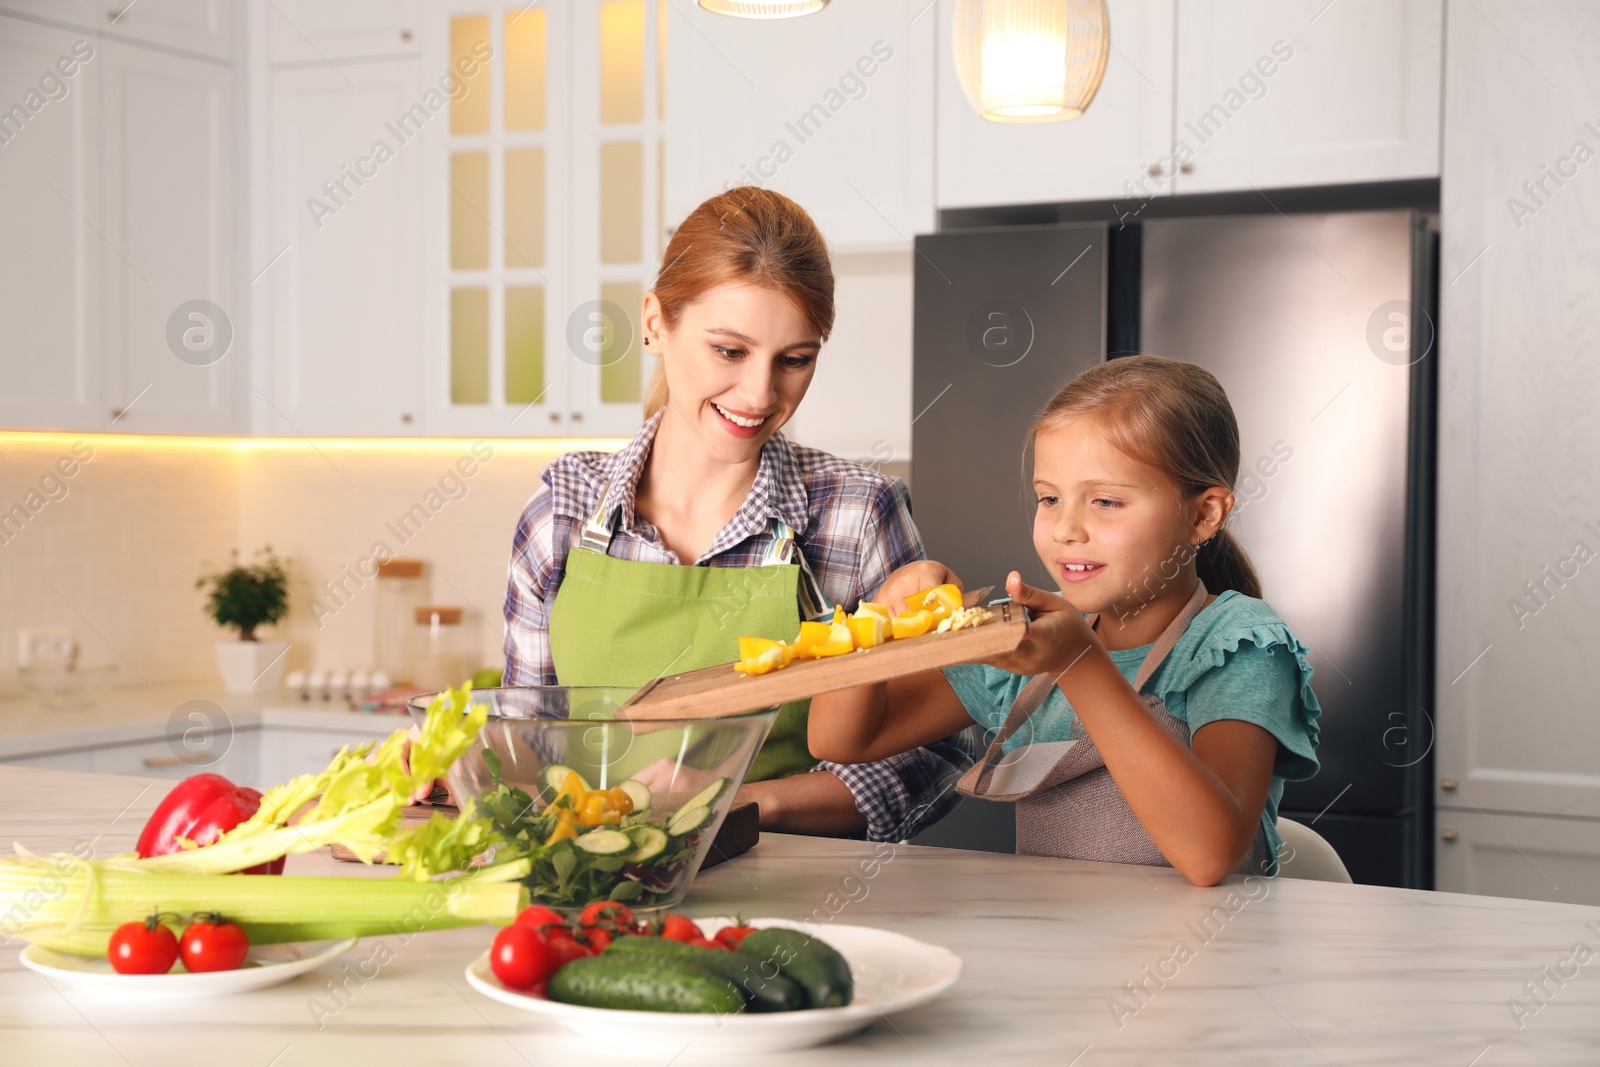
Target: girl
[
  {"x": 710, "y": 524},
  {"x": 1155, "y": 707}
]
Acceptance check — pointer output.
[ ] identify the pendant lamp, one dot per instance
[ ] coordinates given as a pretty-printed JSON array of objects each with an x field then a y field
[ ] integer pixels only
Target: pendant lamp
[
  {"x": 1031, "y": 60},
  {"x": 763, "y": 9}
]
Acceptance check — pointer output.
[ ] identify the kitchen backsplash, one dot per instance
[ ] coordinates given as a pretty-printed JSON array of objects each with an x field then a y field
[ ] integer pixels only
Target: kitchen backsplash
[{"x": 118, "y": 529}]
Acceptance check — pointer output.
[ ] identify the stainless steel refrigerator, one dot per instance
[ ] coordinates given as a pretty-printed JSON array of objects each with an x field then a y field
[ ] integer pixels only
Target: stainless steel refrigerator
[{"x": 1320, "y": 328}]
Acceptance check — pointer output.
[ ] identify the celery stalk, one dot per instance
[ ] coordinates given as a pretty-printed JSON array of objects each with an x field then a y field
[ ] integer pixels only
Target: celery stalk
[{"x": 98, "y": 898}]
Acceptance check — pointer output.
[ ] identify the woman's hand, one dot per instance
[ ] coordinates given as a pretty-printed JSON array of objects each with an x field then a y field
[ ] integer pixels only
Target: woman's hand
[
  {"x": 1056, "y": 638},
  {"x": 914, "y": 578},
  {"x": 423, "y": 791}
]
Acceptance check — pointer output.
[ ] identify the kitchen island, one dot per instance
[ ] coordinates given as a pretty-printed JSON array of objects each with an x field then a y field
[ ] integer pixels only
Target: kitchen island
[{"x": 1065, "y": 963}]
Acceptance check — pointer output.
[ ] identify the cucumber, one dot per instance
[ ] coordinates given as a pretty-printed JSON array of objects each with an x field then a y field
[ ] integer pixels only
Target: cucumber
[
  {"x": 704, "y": 798},
  {"x": 688, "y": 820},
  {"x": 604, "y": 842},
  {"x": 813, "y": 965},
  {"x": 621, "y": 983},
  {"x": 648, "y": 843},
  {"x": 776, "y": 993},
  {"x": 637, "y": 792},
  {"x": 555, "y": 776}
]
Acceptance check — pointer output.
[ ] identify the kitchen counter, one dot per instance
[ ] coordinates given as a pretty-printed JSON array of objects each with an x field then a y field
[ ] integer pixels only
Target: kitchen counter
[
  {"x": 143, "y": 713},
  {"x": 1273, "y": 972}
]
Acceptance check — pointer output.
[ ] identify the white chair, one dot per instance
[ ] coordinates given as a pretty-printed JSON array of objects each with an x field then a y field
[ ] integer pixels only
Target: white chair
[{"x": 1308, "y": 854}]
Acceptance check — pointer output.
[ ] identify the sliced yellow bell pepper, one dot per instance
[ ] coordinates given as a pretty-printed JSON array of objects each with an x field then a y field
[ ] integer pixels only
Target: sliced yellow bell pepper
[
  {"x": 912, "y": 624},
  {"x": 810, "y": 636},
  {"x": 758, "y": 655},
  {"x": 867, "y": 631},
  {"x": 621, "y": 802},
  {"x": 573, "y": 790},
  {"x": 838, "y": 643},
  {"x": 563, "y": 831},
  {"x": 867, "y": 607},
  {"x": 594, "y": 809},
  {"x": 941, "y": 600}
]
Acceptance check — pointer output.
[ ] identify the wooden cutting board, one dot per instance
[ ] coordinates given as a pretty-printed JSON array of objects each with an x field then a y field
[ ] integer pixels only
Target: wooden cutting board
[{"x": 720, "y": 690}]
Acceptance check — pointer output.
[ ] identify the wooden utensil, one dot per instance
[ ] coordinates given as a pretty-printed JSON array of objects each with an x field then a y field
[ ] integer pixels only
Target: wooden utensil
[{"x": 720, "y": 690}]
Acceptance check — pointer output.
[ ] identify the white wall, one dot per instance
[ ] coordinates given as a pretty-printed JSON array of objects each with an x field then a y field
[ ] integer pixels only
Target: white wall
[{"x": 859, "y": 405}]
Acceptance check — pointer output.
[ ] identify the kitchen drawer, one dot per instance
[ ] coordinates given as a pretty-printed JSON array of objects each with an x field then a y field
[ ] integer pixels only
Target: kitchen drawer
[
  {"x": 159, "y": 759},
  {"x": 285, "y": 753},
  {"x": 1526, "y": 856},
  {"x": 56, "y": 761}
]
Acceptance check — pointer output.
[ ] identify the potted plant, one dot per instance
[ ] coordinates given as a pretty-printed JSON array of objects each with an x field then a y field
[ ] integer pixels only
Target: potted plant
[{"x": 242, "y": 598}]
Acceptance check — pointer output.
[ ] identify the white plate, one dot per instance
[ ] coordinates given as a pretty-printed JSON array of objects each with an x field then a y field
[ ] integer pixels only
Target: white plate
[
  {"x": 263, "y": 966},
  {"x": 891, "y": 973}
]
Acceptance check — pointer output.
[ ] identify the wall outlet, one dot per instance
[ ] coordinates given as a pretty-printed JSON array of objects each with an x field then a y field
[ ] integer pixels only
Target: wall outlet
[{"x": 46, "y": 645}]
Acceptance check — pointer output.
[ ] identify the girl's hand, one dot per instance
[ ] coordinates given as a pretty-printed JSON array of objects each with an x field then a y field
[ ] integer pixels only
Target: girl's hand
[
  {"x": 1056, "y": 639},
  {"x": 914, "y": 578}
]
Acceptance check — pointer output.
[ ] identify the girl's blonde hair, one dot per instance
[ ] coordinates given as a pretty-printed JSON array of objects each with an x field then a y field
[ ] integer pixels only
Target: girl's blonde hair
[
  {"x": 746, "y": 235},
  {"x": 1172, "y": 416}
]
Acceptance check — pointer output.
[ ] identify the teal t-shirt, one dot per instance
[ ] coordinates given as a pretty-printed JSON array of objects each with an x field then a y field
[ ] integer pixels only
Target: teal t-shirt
[{"x": 1237, "y": 660}]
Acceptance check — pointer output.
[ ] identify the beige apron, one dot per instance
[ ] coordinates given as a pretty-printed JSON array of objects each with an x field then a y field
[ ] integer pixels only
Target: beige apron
[{"x": 1067, "y": 803}]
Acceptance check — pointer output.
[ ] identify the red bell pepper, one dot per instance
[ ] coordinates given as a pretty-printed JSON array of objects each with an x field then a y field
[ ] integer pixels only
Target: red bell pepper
[{"x": 202, "y": 808}]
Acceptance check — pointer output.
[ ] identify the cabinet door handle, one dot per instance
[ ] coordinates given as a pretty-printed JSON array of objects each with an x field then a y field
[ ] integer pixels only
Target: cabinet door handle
[
  {"x": 1447, "y": 784},
  {"x": 577, "y": 416},
  {"x": 1186, "y": 167},
  {"x": 1448, "y": 835},
  {"x": 167, "y": 761},
  {"x": 1154, "y": 168},
  {"x": 555, "y": 416}
]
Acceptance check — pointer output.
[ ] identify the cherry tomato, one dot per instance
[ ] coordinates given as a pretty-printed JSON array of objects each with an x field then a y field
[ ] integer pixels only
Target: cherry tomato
[
  {"x": 520, "y": 956},
  {"x": 729, "y": 937},
  {"x": 706, "y": 942},
  {"x": 681, "y": 928},
  {"x": 607, "y": 915},
  {"x": 541, "y": 918},
  {"x": 598, "y": 939},
  {"x": 142, "y": 948},
  {"x": 211, "y": 943},
  {"x": 642, "y": 929},
  {"x": 564, "y": 948}
]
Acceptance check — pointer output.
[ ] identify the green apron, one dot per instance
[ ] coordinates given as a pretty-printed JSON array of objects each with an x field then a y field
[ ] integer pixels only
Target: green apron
[{"x": 618, "y": 622}]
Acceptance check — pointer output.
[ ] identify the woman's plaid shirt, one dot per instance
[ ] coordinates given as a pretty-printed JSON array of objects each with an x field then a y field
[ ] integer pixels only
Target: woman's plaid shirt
[{"x": 852, "y": 523}]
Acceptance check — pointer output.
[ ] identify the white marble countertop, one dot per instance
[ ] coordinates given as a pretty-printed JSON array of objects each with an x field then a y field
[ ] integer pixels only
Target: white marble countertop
[
  {"x": 139, "y": 713},
  {"x": 1295, "y": 973}
]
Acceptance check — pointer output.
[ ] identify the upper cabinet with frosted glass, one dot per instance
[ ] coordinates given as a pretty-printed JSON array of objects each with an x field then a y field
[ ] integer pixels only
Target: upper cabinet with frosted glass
[
  {"x": 834, "y": 109},
  {"x": 491, "y": 223},
  {"x": 541, "y": 221}
]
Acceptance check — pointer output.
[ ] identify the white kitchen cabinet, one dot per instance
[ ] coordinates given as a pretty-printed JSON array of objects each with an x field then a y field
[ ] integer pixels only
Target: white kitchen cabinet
[
  {"x": 202, "y": 26},
  {"x": 170, "y": 203},
  {"x": 168, "y": 759},
  {"x": 1519, "y": 496},
  {"x": 285, "y": 752},
  {"x": 52, "y": 228},
  {"x": 1502, "y": 855},
  {"x": 316, "y": 31},
  {"x": 1273, "y": 93},
  {"x": 341, "y": 345},
  {"x": 56, "y": 761},
  {"x": 835, "y": 110},
  {"x": 1119, "y": 149}
]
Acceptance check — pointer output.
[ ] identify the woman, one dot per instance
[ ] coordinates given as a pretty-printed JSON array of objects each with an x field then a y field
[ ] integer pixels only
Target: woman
[{"x": 710, "y": 525}]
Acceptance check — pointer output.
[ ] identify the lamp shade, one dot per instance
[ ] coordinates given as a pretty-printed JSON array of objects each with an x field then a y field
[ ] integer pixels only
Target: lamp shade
[
  {"x": 1031, "y": 60},
  {"x": 763, "y": 9}
]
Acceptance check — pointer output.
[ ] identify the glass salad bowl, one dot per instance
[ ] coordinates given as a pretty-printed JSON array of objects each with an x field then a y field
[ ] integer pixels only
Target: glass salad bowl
[{"x": 608, "y": 808}]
